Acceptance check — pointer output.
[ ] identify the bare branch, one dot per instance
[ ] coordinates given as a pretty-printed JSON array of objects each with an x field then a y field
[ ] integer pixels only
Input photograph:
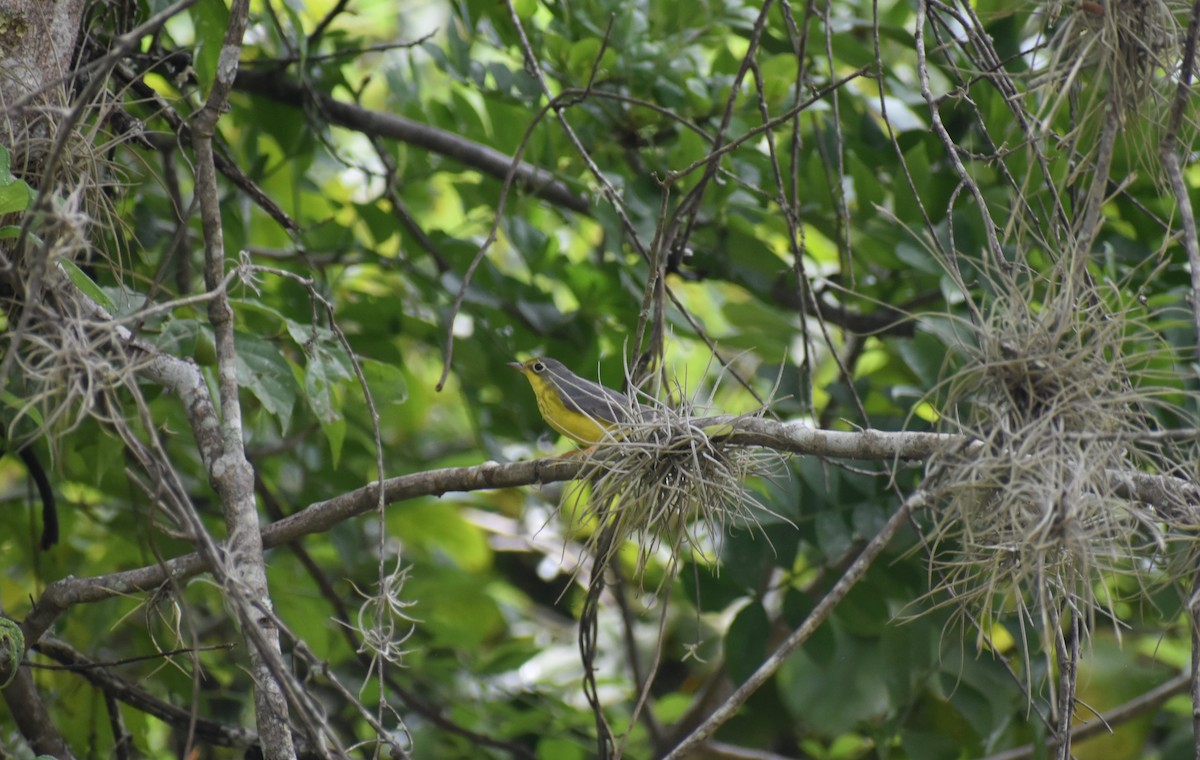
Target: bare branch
[
  {"x": 487, "y": 160},
  {"x": 815, "y": 619},
  {"x": 135, "y": 696},
  {"x": 1108, "y": 721},
  {"x": 989, "y": 226}
]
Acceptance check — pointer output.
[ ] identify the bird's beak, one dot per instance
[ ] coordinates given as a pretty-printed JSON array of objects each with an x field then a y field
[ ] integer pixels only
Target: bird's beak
[{"x": 517, "y": 366}]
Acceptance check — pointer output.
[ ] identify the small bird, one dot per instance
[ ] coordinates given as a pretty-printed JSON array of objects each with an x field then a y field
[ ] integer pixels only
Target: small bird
[{"x": 579, "y": 409}]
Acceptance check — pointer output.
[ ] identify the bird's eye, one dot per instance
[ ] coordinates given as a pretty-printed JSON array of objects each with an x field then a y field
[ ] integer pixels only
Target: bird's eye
[{"x": 539, "y": 367}]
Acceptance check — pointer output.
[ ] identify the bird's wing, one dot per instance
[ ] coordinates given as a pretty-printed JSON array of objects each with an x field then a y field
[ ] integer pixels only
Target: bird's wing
[{"x": 594, "y": 400}]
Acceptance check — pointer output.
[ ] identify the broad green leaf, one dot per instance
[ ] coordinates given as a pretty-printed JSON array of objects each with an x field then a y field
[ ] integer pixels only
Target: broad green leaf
[
  {"x": 833, "y": 534},
  {"x": 210, "y": 19},
  {"x": 746, "y": 642},
  {"x": 558, "y": 748},
  {"x": 471, "y": 620},
  {"x": 835, "y": 691},
  {"x": 925, "y": 355},
  {"x": 15, "y": 194},
  {"x": 323, "y": 372},
  {"x": 386, "y": 381},
  {"x": 263, "y": 371},
  {"x": 432, "y": 528},
  {"x": 335, "y": 436},
  {"x": 187, "y": 337}
]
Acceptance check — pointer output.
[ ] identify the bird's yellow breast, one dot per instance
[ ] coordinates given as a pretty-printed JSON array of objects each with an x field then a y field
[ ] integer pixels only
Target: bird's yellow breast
[{"x": 574, "y": 425}]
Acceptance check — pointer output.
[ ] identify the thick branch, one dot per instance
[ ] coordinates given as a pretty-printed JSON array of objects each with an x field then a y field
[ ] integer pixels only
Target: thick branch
[
  {"x": 32, "y": 719},
  {"x": 1158, "y": 491},
  {"x": 231, "y": 474},
  {"x": 67, "y": 592}
]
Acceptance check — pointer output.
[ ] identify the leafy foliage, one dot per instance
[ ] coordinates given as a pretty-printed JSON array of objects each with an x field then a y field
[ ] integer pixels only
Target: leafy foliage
[{"x": 838, "y": 201}]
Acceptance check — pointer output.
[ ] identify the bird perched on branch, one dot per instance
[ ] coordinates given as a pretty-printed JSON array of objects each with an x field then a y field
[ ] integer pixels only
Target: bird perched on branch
[{"x": 579, "y": 409}]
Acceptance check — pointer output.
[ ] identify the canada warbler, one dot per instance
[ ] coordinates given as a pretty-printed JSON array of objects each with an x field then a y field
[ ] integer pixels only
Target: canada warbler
[{"x": 579, "y": 409}]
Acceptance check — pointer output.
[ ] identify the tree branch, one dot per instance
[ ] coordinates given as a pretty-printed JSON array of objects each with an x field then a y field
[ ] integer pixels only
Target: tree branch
[
  {"x": 1171, "y": 162},
  {"x": 32, "y": 719},
  {"x": 138, "y": 698},
  {"x": 1160, "y": 491},
  {"x": 815, "y": 619},
  {"x": 543, "y": 184},
  {"x": 1105, "y": 723},
  {"x": 245, "y": 586}
]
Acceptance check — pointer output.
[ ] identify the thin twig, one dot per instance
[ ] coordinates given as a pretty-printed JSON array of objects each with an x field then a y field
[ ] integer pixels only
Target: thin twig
[
  {"x": 989, "y": 226},
  {"x": 815, "y": 619},
  {"x": 1139, "y": 705},
  {"x": 99, "y": 675},
  {"x": 1194, "y": 673},
  {"x": 1171, "y": 164}
]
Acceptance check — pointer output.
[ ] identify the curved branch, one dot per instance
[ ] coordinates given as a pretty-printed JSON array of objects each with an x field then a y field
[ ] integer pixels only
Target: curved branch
[
  {"x": 1169, "y": 151},
  {"x": 488, "y": 160}
]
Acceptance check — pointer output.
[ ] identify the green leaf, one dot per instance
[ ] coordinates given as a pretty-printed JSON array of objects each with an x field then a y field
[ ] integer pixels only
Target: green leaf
[
  {"x": 15, "y": 194},
  {"x": 930, "y": 745},
  {"x": 746, "y": 642},
  {"x": 557, "y": 748},
  {"x": 918, "y": 257},
  {"x": 744, "y": 557},
  {"x": 471, "y": 620},
  {"x": 265, "y": 372},
  {"x": 582, "y": 58},
  {"x": 184, "y": 337},
  {"x": 714, "y": 590},
  {"x": 22, "y": 406},
  {"x": 299, "y": 38},
  {"x": 430, "y": 528},
  {"x": 525, "y": 8},
  {"x": 210, "y": 18},
  {"x": 323, "y": 371},
  {"x": 833, "y": 692},
  {"x": 386, "y": 382},
  {"x": 12, "y": 650},
  {"x": 833, "y": 534},
  {"x": 335, "y": 436},
  {"x": 779, "y": 78},
  {"x": 87, "y": 286},
  {"x": 925, "y": 355}
]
